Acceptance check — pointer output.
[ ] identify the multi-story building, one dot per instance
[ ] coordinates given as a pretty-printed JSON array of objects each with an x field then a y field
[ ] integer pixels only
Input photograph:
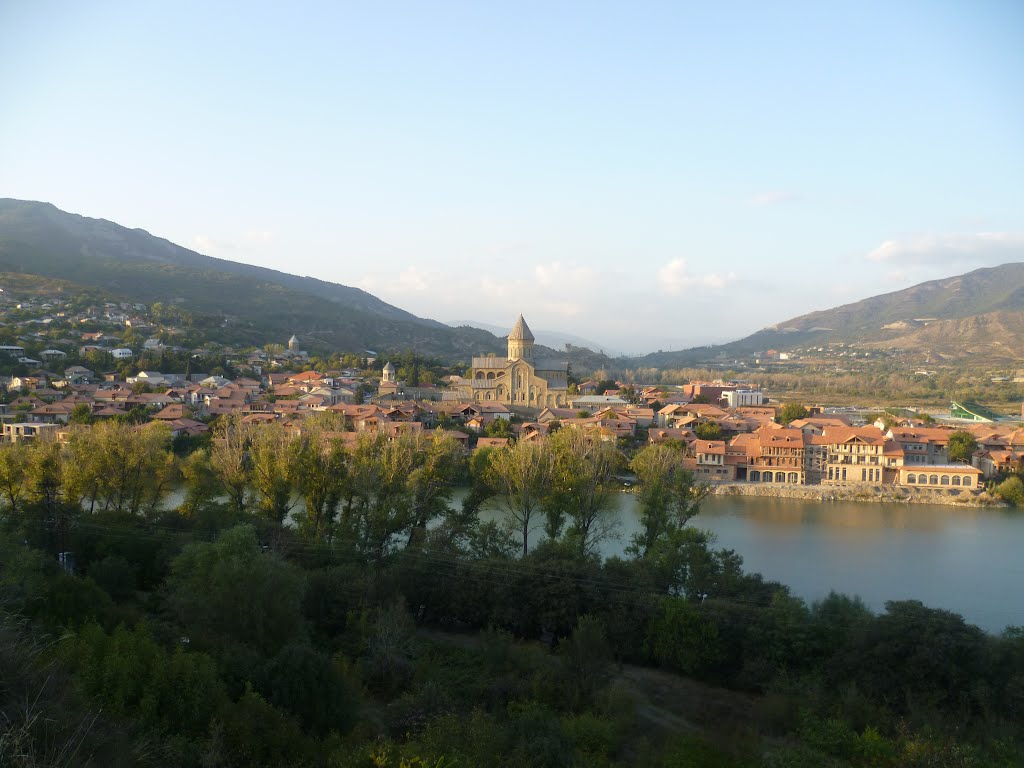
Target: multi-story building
[
  {"x": 855, "y": 455},
  {"x": 922, "y": 445},
  {"x": 778, "y": 457}
]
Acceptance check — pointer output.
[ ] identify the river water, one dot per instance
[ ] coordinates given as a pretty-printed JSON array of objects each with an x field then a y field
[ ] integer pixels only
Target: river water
[{"x": 966, "y": 560}]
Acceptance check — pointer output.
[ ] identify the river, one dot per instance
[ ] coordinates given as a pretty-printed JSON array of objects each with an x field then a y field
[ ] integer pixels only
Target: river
[
  {"x": 969, "y": 560},
  {"x": 966, "y": 560}
]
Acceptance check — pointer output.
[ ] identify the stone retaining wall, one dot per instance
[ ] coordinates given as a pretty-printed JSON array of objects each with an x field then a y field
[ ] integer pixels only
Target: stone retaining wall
[{"x": 861, "y": 492}]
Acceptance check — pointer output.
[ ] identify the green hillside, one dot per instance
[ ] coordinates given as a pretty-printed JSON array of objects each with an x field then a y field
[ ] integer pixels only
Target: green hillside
[{"x": 255, "y": 304}]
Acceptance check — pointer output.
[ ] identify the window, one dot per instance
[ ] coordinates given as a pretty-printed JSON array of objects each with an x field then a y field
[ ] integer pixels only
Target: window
[
  {"x": 911, "y": 479},
  {"x": 945, "y": 479},
  {"x": 956, "y": 480},
  {"x": 933, "y": 480},
  {"x": 967, "y": 481}
]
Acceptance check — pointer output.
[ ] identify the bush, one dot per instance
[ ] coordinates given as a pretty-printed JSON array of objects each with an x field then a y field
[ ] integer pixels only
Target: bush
[{"x": 1011, "y": 490}]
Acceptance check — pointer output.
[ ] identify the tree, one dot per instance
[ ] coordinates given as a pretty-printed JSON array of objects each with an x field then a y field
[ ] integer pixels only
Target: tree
[
  {"x": 439, "y": 462},
  {"x": 381, "y": 501},
  {"x": 709, "y": 430},
  {"x": 229, "y": 459},
  {"x": 962, "y": 446},
  {"x": 272, "y": 468},
  {"x": 498, "y": 428},
  {"x": 230, "y": 590},
  {"x": 81, "y": 414},
  {"x": 583, "y": 487},
  {"x": 13, "y": 475},
  {"x": 321, "y": 475},
  {"x": 791, "y": 412},
  {"x": 520, "y": 475},
  {"x": 668, "y": 495},
  {"x": 117, "y": 467}
]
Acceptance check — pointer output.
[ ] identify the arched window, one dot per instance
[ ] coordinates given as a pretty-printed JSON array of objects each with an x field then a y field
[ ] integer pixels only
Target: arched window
[
  {"x": 780, "y": 477},
  {"x": 945, "y": 479},
  {"x": 967, "y": 481},
  {"x": 933, "y": 480},
  {"x": 911, "y": 479},
  {"x": 956, "y": 479},
  {"x": 755, "y": 476},
  {"x": 490, "y": 374},
  {"x": 766, "y": 477},
  {"x": 794, "y": 477},
  {"x": 479, "y": 375}
]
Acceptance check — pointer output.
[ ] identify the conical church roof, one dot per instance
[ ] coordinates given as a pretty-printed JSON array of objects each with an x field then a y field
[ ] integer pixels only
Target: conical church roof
[{"x": 521, "y": 331}]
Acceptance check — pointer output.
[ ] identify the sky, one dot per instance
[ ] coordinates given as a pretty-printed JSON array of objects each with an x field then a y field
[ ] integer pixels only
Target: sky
[{"x": 649, "y": 175}]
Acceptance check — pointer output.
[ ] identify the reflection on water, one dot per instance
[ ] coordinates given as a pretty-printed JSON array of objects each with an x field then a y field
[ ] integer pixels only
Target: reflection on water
[{"x": 967, "y": 560}]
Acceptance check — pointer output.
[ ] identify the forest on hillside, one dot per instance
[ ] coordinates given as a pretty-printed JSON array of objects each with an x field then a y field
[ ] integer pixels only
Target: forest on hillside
[{"x": 379, "y": 624}]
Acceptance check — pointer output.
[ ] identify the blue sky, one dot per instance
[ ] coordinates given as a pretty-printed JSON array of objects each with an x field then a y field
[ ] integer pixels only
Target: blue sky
[{"x": 650, "y": 175}]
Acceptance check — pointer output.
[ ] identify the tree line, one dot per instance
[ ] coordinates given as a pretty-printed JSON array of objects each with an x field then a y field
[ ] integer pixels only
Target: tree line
[{"x": 383, "y": 624}]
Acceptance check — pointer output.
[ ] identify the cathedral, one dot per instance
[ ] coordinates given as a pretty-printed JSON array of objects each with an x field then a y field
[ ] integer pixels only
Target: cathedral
[{"x": 520, "y": 380}]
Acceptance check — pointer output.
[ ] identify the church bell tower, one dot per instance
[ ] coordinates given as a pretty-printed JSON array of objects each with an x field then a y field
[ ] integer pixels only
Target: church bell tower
[{"x": 520, "y": 341}]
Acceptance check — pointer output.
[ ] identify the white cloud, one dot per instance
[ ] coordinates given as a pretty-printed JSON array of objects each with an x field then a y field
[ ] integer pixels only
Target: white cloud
[
  {"x": 985, "y": 247},
  {"x": 776, "y": 197},
  {"x": 674, "y": 278},
  {"x": 205, "y": 244},
  {"x": 259, "y": 237},
  {"x": 557, "y": 274},
  {"x": 408, "y": 280}
]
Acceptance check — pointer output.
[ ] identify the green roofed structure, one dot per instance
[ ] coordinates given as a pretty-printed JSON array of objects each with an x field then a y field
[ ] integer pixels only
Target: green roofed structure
[{"x": 972, "y": 412}]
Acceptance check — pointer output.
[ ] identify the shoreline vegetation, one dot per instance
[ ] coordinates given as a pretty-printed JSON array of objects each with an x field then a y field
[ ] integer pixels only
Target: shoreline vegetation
[{"x": 216, "y": 635}]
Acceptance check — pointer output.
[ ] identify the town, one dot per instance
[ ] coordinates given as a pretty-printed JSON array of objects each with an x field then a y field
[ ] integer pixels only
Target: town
[{"x": 730, "y": 431}]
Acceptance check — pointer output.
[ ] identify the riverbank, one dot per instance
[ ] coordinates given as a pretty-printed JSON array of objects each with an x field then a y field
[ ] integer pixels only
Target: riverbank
[{"x": 898, "y": 494}]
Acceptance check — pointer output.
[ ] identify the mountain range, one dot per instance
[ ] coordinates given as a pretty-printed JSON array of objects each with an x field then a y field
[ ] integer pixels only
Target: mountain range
[
  {"x": 257, "y": 305},
  {"x": 978, "y": 315}
]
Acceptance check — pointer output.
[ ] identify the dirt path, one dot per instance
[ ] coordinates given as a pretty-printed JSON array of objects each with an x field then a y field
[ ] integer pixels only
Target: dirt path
[{"x": 663, "y": 701}]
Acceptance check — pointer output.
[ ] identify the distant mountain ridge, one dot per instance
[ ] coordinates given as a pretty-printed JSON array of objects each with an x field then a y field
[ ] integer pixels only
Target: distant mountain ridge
[
  {"x": 260, "y": 305},
  {"x": 952, "y": 316},
  {"x": 553, "y": 339}
]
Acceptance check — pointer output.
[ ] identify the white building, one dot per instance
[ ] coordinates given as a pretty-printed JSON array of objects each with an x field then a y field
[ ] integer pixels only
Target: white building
[
  {"x": 121, "y": 353},
  {"x": 740, "y": 397}
]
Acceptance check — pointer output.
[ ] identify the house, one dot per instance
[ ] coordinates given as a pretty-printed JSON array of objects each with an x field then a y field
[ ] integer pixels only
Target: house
[
  {"x": 708, "y": 461},
  {"x": 922, "y": 445},
  {"x": 26, "y": 431},
  {"x": 941, "y": 476},
  {"x": 994, "y": 462},
  {"x": 855, "y": 455},
  {"x": 121, "y": 353},
  {"x": 777, "y": 456},
  {"x": 492, "y": 442}
]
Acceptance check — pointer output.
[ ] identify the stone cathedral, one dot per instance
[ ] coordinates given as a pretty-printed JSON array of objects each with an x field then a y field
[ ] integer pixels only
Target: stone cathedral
[{"x": 520, "y": 380}]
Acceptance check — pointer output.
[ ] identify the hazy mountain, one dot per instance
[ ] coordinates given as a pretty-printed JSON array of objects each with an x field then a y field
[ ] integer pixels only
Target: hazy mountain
[
  {"x": 979, "y": 313},
  {"x": 258, "y": 304},
  {"x": 552, "y": 339}
]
